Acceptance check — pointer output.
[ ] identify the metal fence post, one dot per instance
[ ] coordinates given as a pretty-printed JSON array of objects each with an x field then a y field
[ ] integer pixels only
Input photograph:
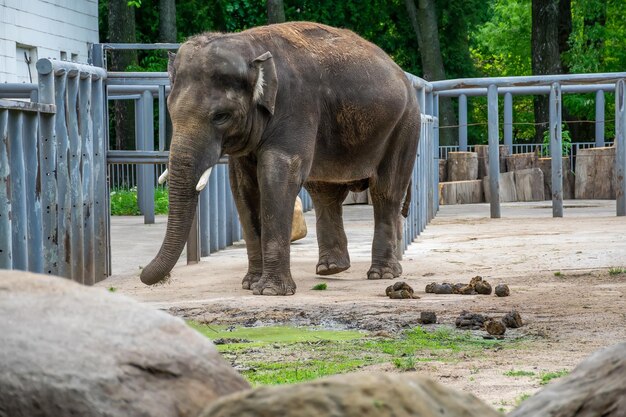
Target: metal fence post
[
  {"x": 146, "y": 172},
  {"x": 18, "y": 192},
  {"x": 213, "y": 211},
  {"x": 193, "y": 241},
  {"x": 221, "y": 193},
  {"x": 47, "y": 164},
  {"x": 33, "y": 193},
  {"x": 205, "y": 222},
  {"x": 508, "y": 121},
  {"x": 87, "y": 175},
  {"x": 463, "y": 123},
  {"x": 435, "y": 139},
  {"x": 494, "y": 151},
  {"x": 599, "y": 118},
  {"x": 620, "y": 147},
  {"x": 76, "y": 187},
  {"x": 556, "y": 150},
  {"x": 102, "y": 265},
  {"x": 6, "y": 232}
]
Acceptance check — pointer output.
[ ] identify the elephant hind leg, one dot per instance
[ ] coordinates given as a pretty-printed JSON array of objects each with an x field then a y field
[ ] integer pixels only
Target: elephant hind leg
[{"x": 331, "y": 237}]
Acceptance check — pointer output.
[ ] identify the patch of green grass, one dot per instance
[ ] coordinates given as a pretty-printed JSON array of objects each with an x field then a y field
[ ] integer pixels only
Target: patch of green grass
[
  {"x": 124, "y": 202},
  {"x": 284, "y": 354},
  {"x": 112, "y": 289},
  {"x": 516, "y": 374},
  {"x": 549, "y": 376},
  {"x": 320, "y": 287},
  {"x": 521, "y": 399},
  {"x": 559, "y": 274},
  {"x": 617, "y": 271}
]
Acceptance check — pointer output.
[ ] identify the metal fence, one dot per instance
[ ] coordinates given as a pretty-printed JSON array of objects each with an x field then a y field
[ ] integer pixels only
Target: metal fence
[
  {"x": 53, "y": 203},
  {"x": 554, "y": 86}
]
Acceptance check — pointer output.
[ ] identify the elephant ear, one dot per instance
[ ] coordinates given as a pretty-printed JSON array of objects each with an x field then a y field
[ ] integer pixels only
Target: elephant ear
[
  {"x": 266, "y": 84},
  {"x": 171, "y": 71}
]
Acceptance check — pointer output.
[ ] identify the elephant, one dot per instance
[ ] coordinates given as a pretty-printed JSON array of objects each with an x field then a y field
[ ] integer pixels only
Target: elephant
[{"x": 292, "y": 105}]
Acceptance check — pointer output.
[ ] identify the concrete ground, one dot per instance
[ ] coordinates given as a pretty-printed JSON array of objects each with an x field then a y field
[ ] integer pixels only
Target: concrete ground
[{"x": 460, "y": 242}]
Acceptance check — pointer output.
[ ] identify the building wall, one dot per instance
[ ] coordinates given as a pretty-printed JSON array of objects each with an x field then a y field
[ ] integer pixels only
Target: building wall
[{"x": 60, "y": 29}]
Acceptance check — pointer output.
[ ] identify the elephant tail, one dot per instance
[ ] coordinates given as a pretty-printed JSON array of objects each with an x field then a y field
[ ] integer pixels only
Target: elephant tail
[{"x": 407, "y": 200}]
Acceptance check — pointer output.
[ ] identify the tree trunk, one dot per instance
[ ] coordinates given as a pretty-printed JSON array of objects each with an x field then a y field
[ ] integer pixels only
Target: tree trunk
[
  {"x": 546, "y": 58},
  {"x": 167, "y": 21},
  {"x": 275, "y": 11},
  {"x": 122, "y": 30},
  {"x": 167, "y": 34},
  {"x": 424, "y": 21}
]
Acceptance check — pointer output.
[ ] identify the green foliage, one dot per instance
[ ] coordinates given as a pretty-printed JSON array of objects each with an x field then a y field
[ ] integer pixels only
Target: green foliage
[
  {"x": 617, "y": 271},
  {"x": 559, "y": 274},
  {"x": 515, "y": 374},
  {"x": 566, "y": 142},
  {"x": 521, "y": 399},
  {"x": 320, "y": 287},
  {"x": 549, "y": 376},
  {"x": 112, "y": 289},
  {"x": 124, "y": 202}
]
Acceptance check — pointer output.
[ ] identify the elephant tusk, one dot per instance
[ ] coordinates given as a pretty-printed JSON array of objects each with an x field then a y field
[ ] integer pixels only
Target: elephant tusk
[
  {"x": 163, "y": 177},
  {"x": 204, "y": 179}
]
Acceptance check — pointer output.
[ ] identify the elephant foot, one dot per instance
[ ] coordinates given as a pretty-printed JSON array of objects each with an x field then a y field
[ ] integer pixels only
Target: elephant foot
[
  {"x": 330, "y": 266},
  {"x": 249, "y": 280},
  {"x": 384, "y": 271},
  {"x": 274, "y": 285}
]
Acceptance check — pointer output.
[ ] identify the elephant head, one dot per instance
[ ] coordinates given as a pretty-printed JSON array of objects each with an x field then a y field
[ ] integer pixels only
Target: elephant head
[{"x": 223, "y": 93}]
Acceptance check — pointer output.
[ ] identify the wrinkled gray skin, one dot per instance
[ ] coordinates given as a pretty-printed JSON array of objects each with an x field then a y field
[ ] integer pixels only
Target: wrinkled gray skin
[{"x": 332, "y": 112}]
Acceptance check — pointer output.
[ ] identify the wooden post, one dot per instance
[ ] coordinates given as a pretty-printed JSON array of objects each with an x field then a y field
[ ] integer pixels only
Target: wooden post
[
  {"x": 494, "y": 151},
  {"x": 556, "y": 150}
]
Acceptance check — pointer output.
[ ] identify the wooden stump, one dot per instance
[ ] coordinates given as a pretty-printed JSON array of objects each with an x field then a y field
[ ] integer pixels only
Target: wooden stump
[
  {"x": 529, "y": 184},
  {"x": 462, "y": 166},
  {"x": 482, "y": 152},
  {"x": 508, "y": 193},
  {"x": 443, "y": 170},
  {"x": 521, "y": 161},
  {"x": 461, "y": 192},
  {"x": 595, "y": 173},
  {"x": 545, "y": 164}
]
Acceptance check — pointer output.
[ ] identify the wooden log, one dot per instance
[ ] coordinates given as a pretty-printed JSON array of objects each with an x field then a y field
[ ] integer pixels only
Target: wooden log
[
  {"x": 521, "y": 161},
  {"x": 529, "y": 184},
  {"x": 595, "y": 173},
  {"x": 482, "y": 152},
  {"x": 356, "y": 198},
  {"x": 545, "y": 164},
  {"x": 298, "y": 225},
  {"x": 443, "y": 170},
  {"x": 508, "y": 192},
  {"x": 461, "y": 192},
  {"x": 462, "y": 166}
]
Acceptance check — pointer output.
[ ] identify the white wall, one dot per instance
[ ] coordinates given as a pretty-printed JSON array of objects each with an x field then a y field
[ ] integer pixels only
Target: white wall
[{"x": 44, "y": 29}]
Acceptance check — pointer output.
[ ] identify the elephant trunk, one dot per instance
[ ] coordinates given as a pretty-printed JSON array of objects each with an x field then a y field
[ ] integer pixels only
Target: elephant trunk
[{"x": 183, "y": 199}]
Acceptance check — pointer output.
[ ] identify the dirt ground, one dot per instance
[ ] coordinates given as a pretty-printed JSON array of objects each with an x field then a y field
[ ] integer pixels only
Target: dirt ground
[{"x": 557, "y": 270}]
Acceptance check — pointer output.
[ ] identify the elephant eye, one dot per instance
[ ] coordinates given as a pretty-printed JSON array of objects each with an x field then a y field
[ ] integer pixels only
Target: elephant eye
[{"x": 221, "y": 118}]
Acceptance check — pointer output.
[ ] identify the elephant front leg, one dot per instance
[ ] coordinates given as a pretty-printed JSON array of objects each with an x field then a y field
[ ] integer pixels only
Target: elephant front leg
[
  {"x": 280, "y": 179},
  {"x": 331, "y": 237},
  {"x": 245, "y": 188},
  {"x": 385, "y": 263}
]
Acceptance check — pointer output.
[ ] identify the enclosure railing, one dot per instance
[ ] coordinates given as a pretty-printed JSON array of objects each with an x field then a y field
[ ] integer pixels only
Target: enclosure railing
[
  {"x": 53, "y": 211},
  {"x": 555, "y": 86}
]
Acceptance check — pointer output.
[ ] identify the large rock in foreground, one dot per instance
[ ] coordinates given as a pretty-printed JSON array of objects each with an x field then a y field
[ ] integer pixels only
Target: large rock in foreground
[
  {"x": 597, "y": 387},
  {"x": 353, "y": 395},
  {"x": 69, "y": 350}
]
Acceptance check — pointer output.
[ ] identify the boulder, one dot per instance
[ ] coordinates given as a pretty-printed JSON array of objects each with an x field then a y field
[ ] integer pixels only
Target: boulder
[
  {"x": 70, "y": 350},
  {"x": 298, "y": 225},
  {"x": 353, "y": 395},
  {"x": 596, "y": 387}
]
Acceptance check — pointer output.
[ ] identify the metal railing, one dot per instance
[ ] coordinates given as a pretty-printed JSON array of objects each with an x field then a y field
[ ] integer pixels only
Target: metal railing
[
  {"x": 53, "y": 207},
  {"x": 555, "y": 86}
]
